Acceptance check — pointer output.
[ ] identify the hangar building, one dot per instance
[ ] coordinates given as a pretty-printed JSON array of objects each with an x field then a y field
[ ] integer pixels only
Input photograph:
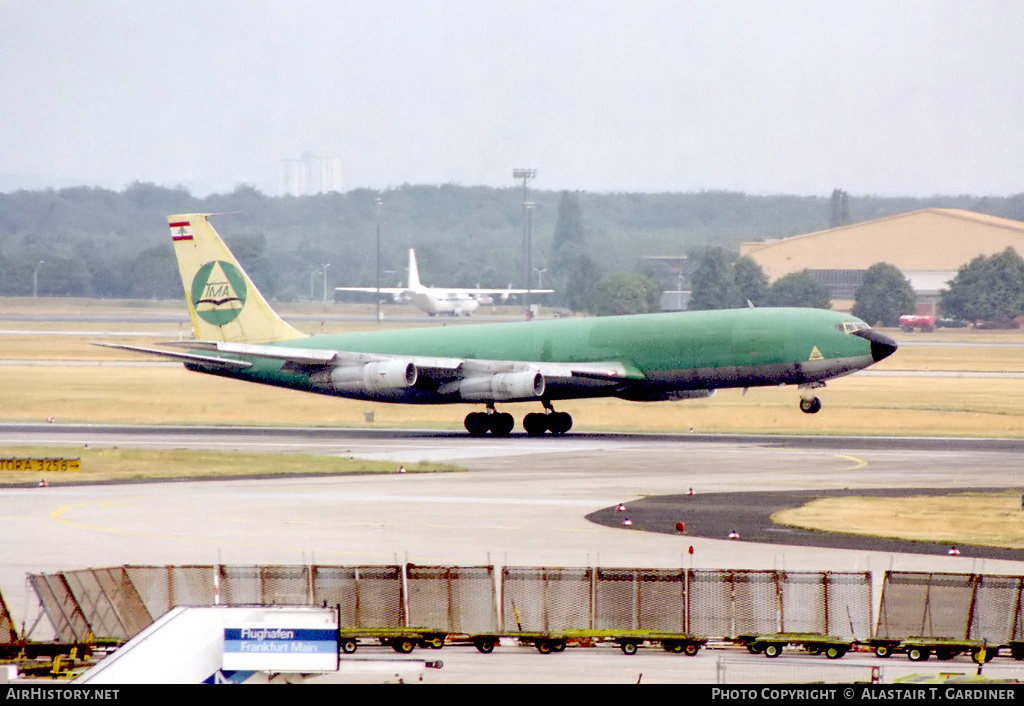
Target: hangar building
[{"x": 928, "y": 246}]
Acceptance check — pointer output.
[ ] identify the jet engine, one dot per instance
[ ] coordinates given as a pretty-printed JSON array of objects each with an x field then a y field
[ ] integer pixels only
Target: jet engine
[
  {"x": 371, "y": 377},
  {"x": 503, "y": 386}
]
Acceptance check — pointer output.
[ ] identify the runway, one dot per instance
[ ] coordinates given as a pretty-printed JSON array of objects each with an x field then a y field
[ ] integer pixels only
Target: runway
[{"x": 523, "y": 501}]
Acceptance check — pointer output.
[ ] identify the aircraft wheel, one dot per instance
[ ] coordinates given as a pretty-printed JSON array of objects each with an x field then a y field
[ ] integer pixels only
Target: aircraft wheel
[
  {"x": 535, "y": 424},
  {"x": 559, "y": 422},
  {"x": 810, "y": 406},
  {"x": 501, "y": 423},
  {"x": 477, "y": 423}
]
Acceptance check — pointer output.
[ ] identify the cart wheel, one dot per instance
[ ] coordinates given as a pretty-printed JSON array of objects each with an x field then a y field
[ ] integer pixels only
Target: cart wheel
[
  {"x": 755, "y": 648},
  {"x": 835, "y": 652},
  {"x": 772, "y": 650},
  {"x": 434, "y": 642},
  {"x": 558, "y": 646},
  {"x": 945, "y": 655},
  {"x": 544, "y": 647},
  {"x": 883, "y": 651},
  {"x": 917, "y": 654},
  {"x": 484, "y": 646},
  {"x": 628, "y": 648},
  {"x": 403, "y": 645},
  {"x": 349, "y": 646},
  {"x": 691, "y": 648}
]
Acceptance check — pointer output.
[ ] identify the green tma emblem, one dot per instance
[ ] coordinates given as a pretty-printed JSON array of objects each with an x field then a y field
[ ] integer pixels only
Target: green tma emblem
[{"x": 218, "y": 292}]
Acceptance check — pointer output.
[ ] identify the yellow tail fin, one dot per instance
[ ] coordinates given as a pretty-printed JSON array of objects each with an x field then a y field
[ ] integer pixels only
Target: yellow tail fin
[{"x": 222, "y": 300}]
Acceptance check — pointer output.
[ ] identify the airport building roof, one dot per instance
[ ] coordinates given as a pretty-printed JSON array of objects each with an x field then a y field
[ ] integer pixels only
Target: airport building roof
[{"x": 934, "y": 240}]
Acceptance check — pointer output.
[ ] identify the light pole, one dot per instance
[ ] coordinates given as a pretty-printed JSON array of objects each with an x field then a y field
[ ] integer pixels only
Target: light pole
[
  {"x": 326, "y": 265},
  {"x": 312, "y": 276},
  {"x": 380, "y": 202},
  {"x": 35, "y": 280},
  {"x": 526, "y": 175}
]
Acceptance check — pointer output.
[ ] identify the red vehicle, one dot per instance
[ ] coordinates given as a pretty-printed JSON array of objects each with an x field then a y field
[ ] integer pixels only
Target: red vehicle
[{"x": 909, "y": 322}]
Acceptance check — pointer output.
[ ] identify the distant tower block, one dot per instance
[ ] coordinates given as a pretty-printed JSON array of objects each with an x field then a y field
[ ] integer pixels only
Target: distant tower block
[{"x": 312, "y": 174}]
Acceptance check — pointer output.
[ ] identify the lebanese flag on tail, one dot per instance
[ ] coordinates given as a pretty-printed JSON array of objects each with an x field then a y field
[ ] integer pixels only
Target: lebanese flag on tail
[{"x": 181, "y": 230}]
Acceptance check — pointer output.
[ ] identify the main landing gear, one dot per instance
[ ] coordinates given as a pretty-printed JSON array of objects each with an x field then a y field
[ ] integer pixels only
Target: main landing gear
[
  {"x": 498, "y": 423},
  {"x": 501, "y": 423}
]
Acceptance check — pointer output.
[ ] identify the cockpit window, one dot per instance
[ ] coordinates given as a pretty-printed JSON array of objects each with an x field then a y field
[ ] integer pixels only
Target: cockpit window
[{"x": 851, "y": 326}]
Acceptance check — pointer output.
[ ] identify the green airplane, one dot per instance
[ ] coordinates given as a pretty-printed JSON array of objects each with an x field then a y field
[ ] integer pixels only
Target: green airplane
[{"x": 647, "y": 357}]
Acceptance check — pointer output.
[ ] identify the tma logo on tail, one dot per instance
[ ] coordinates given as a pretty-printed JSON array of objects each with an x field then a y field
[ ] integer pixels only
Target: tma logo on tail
[{"x": 218, "y": 292}]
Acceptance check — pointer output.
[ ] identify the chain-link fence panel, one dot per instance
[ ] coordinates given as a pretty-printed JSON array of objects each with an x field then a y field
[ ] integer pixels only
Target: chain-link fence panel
[
  {"x": 712, "y": 613},
  {"x": 1017, "y": 633},
  {"x": 995, "y": 618},
  {"x": 546, "y": 601},
  {"x": 450, "y": 600},
  {"x": 368, "y": 597},
  {"x": 849, "y": 605},
  {"x": 803, "y": 599},
  {"x": 61, "y": 607},
  {"x": 8, "y": 631},
  {"x": 755, "y": 596},
  {"x": 925, "y": 605},
  {"x": 825, "y": 603},
  {"x": 646, "y": 600},
  {"x": 192, "y": 585}
]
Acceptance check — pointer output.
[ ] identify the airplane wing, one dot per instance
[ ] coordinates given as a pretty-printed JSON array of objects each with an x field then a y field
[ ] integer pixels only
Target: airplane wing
[
  {"x": 373, "y": 290},
  {"x": 433, "y": 375},
  {"x": 477, "y": 290},
  {"x": 206, "y": 360}
]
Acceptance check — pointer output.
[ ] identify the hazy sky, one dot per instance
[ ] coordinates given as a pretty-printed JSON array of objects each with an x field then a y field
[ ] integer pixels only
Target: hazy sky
[{"x": 887, "y": 97}]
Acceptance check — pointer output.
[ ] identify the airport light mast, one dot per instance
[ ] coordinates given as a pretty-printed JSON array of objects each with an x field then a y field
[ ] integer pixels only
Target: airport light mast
[
  {"x": 526, "y": 175},
  {"x": 379, "y": 202}
]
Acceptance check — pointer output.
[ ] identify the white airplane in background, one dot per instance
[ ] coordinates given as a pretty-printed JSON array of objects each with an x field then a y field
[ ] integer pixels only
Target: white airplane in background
[{"x": 437, "y": 300}]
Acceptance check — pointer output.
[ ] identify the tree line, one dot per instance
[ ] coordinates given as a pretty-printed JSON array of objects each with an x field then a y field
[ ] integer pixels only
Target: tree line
[{"x": 592, "y": 248}]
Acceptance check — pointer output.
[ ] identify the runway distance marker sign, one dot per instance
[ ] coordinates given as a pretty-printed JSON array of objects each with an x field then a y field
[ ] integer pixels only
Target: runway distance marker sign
[{"x": 41, "y": 465}]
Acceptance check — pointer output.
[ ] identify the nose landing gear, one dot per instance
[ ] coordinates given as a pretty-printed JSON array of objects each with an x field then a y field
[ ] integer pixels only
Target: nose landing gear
[{"x": 809, "y": 403}]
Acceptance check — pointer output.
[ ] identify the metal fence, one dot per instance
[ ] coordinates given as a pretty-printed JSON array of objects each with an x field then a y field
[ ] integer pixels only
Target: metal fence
[
  {"x": 951, "y": 606},
  {"x": 119, "y": 602},
  {"x": 8, "y": 630}
]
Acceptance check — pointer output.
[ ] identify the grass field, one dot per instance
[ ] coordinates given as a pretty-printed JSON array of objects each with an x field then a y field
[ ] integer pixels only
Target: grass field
[
  {"x": 127, "y": 465},
  {"x": 989, "y": 519}
]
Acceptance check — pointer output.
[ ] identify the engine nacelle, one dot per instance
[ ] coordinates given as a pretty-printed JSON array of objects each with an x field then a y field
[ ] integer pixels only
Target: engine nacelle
[
  {"x": 503, "y": 386},
  {"x": 371, "y": 377}
]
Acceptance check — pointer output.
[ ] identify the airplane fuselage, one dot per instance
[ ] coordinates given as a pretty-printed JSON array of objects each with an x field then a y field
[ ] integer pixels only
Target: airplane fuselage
[
  {"x": 657, "y": 354},
  {"x": 437, "y": 301}
]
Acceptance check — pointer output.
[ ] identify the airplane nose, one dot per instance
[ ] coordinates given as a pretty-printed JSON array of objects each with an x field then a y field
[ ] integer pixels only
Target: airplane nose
[{"x": 881, "y": 345}]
